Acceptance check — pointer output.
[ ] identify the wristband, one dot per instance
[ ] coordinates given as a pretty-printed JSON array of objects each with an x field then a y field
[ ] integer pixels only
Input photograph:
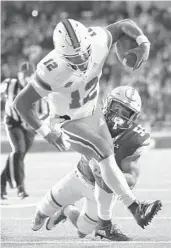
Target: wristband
[
  {"x": 142, "y": 39},
  {"x": 43, "y": 130}
]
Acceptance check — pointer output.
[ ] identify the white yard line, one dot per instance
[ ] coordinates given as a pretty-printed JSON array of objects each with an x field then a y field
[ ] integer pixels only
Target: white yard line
[
  {"x": 116, "y": 218},
  {"x": 137, "y": 190},
  {"x": 7, "y": 204},
  {"x": 86, "y": 242},
  {"x": 153, "y": 190}
]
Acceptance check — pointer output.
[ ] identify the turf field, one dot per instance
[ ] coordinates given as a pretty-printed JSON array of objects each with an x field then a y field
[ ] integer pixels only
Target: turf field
[{"x": 44, "y": 169}]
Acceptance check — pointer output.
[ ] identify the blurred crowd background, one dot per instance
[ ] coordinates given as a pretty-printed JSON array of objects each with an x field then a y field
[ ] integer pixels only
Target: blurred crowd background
[{"x": 26, "y": 34}]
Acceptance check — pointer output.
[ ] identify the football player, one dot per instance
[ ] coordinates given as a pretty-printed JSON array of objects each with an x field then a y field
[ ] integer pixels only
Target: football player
[
  {"x": 70, "y": 75},
  {"x": 130, "y": 140}
]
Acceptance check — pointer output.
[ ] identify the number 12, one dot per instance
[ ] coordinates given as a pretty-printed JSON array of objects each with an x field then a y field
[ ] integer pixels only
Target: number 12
[{"x": 75, "y": 95}]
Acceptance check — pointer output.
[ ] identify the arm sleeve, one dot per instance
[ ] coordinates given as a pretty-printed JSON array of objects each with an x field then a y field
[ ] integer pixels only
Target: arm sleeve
[{"x": 125, "y": 26}]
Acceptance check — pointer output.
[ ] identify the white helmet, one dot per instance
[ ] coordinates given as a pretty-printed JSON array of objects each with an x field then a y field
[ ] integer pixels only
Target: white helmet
[
  {"x": 72, "y": 41},
  {"x": 122, "y": 107}
]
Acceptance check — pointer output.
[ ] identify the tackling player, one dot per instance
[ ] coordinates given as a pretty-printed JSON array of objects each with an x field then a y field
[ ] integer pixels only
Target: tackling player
[
  {"x": 130, "y": 141},
  {"x": 70, "y": 75}
]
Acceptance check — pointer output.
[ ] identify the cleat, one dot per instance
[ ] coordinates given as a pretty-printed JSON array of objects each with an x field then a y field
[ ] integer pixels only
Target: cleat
[
  {"x": 38, "y": 221},
  {"x": 145, "y": 212},
  {"x": 22, "y": 193},
  {"x": 55, "y": 220},
  {"x": 110, "y": 232},
  {"x": 4, "y": 195}
]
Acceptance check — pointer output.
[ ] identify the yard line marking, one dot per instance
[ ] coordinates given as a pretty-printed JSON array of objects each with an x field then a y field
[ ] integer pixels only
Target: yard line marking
[
  {"x": 33, "y": 204},
  {"x": 19, "y": 205},
  {"x": 85, "y": 242},
  {"x": 153, "y": 190},
  {"x": 116, "y": 218},
  {"x": 138, "y": 189}
]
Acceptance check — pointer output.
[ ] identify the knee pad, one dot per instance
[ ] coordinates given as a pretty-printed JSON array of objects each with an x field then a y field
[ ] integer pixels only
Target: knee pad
[{"x": 85, "y": 225}]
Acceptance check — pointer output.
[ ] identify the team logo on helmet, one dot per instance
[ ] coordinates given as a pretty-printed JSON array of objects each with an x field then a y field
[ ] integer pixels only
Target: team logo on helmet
[{"x": 130, "y": 94}]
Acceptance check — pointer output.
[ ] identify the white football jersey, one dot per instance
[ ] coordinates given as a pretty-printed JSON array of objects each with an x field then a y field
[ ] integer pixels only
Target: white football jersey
[{"x": 69, "y": 93}]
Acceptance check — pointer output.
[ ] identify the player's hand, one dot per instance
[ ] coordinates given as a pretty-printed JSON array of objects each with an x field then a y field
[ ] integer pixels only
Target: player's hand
[
  {"x": 142, "y": 53},
  {"x": 56, "y": 138},
  {"x": 27, "y": 126}
]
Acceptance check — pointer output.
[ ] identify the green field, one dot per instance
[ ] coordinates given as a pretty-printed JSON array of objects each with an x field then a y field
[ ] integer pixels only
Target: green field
[{"x": 44, "y": 169}]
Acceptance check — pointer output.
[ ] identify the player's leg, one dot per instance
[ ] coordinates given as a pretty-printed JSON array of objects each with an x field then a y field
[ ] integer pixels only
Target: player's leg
[
  {"x": 105, "y": 228},
  {"x": 87, "y": 220},
  {"x": 14, "y": 161},
  {"x": 68, "y": 190},
  {"x": 17, "y": 138},
  {"x": 84, "y": 221},
  {"x": 5, "y": 176},
  {"x": 29, "y": 138},
  {"x": 85, "y": 140}
]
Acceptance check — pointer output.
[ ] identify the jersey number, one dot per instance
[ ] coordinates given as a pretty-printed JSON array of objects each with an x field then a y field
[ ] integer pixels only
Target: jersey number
[
  {"x": 50, "y": 64},
  {"x": 75, "y": 95},
  {"x": 138, "y": 129}
]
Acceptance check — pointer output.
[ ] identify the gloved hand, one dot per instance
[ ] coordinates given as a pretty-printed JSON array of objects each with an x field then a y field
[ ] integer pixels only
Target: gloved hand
[
  {"x": 58, "y": 139},
  {"x": 142, "y": 53}
]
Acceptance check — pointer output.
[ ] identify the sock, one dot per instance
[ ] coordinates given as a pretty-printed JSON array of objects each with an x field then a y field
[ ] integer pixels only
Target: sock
[
  {"x": 105, "y": 202},
  {"x": 47, "y": 206},
  {"x": 116, "y": 181},
  {"x": 133, "y": 207},
  {"x": 72, "y": 213}
]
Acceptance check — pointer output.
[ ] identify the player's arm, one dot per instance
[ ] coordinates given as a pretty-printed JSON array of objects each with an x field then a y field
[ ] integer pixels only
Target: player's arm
[
  {"x": 25, "y": 105},
  {"x": 130, "y": 167},
  {"x": 131, "y": 29}
]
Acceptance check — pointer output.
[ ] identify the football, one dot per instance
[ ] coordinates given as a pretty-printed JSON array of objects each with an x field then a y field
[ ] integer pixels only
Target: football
[{"x": 123, "y": 45}]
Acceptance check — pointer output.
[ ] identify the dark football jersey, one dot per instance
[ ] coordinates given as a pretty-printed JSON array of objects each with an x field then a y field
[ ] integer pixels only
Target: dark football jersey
[
  {"x": 130, "y": 141},
  {"x": 12, "y": 90}
]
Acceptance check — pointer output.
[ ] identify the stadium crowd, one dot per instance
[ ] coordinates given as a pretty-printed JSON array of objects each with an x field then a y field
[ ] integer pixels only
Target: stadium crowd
[{"x": 27, "y": 29}]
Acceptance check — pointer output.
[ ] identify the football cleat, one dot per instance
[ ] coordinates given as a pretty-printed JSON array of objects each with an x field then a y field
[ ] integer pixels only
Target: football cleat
[
  {"x": 145, "y": 212},
  {"x": 38, "y": 221},
  {"x": 4, "y": 195},
  {"x": 55, "y": 220},
  {"x": 22, "y": 193},
  {"x": 112, "y": 233}
]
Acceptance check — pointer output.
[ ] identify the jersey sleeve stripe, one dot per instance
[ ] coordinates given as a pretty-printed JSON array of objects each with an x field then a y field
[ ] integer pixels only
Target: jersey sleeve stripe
[{"x": 42, "y": 83}]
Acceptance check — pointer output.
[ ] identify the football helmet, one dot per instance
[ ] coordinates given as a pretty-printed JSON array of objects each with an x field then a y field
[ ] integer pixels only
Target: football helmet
[
  {"x": 122, "y": 107},
  {"x": 72, "y": 41}
]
